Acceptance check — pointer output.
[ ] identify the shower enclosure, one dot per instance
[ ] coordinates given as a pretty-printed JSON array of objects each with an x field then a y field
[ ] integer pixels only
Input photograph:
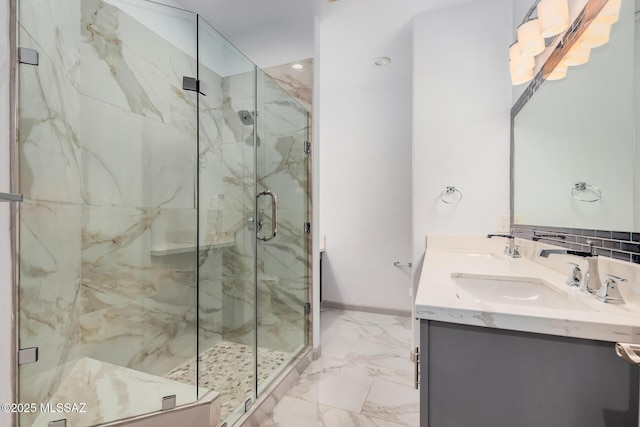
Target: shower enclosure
[{"x": 164, "y": 242}]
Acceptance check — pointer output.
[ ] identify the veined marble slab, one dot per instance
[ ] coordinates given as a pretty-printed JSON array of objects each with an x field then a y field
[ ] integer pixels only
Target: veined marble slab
[
  {"x": 112, "y": 392},
  {"x": 109, "y": 155},
  {"x": 440, "y": 298},
  {"x": 180, "y": 248}
]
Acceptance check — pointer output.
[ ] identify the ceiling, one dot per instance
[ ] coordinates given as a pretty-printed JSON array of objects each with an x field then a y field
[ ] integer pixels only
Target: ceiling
[
  {"x": 269, "y": 32},
  {"x": 234, "y": 17}
]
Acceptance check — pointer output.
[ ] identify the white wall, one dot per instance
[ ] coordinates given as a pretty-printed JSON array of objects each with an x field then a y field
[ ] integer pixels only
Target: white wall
[
  {"x": 5, "y": 260},
  {"x": 365, "y": 149},
  {"x": 461, "y": 110}
]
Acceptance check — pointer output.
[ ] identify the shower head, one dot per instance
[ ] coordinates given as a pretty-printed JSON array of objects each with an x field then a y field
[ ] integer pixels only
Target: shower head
[{"x": 245, "y": 117}]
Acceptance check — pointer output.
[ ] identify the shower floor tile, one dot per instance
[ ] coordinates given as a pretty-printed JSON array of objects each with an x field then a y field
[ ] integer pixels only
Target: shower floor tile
[{"x": 227, "y": 368}]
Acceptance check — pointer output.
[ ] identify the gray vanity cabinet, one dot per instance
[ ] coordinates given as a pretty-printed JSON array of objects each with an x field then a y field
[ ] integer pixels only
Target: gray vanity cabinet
[{"x": 483, "y": 377}]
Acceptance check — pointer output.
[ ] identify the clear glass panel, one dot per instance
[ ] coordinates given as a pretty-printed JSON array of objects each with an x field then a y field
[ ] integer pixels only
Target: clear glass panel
[
  {"x": 284, "y": 261},
  {"x": 108, "y": 227},
  {"x": 226, "y": 200}
]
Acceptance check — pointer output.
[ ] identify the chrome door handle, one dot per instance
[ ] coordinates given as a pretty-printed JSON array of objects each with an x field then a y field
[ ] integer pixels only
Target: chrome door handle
[
  {"x": 629, "y": 352},
  {"x": 10, "y": 197},
  {"x": 274, "y": 215}
]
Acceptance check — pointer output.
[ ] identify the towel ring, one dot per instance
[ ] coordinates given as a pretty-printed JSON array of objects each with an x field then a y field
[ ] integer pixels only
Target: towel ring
[
  {"x": 583, "y": 186},
  {"x": 448, "y": 192}
]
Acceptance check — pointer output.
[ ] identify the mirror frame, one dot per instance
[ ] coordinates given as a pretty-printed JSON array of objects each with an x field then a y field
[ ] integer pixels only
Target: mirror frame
[{"x": 621, "y": 245}]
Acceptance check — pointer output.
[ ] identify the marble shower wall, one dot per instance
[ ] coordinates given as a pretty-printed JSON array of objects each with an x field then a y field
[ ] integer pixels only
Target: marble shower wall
[
  {"x": 108, "y": 170},
  {"x": 108, "y": 227},
  {"x": 283, "y": 263},
  {"x": 50, "y": 235}
]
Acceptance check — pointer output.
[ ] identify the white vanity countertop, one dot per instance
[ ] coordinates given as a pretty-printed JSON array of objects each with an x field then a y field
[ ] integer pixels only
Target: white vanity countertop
[{"x": 440, "y": 297}]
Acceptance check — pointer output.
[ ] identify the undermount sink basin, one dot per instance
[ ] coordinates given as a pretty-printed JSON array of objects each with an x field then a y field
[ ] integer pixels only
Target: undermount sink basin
[{"x": 526, "y": 292}]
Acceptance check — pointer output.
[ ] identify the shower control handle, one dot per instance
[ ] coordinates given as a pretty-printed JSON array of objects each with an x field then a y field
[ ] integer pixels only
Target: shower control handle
[{"x": 274, "y": 215}]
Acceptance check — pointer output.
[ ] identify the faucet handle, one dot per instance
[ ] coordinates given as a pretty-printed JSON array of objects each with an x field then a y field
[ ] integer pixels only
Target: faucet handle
[
  {"x": 575, "y": 275},
  {"x": 515, "y": 253},
  {"x": 609, "y": 291}
]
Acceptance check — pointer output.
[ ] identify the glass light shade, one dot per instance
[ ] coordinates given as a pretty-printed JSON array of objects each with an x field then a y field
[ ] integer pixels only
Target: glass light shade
[
  {"x": 553, "y": 16},
  {"x": 520, "y": 76},
  {"x": 529, "y": 39},
  {"x": 578, "y": 55},
  {"x": 596, "y": 34},
  {"x": 558, "y": 73},
  {"x": 610, "y": 12},
  {"x": 515, "y": 58}
]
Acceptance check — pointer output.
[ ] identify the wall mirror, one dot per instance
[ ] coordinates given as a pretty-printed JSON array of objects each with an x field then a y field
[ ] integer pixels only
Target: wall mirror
[{"x": 575, "y": 141}]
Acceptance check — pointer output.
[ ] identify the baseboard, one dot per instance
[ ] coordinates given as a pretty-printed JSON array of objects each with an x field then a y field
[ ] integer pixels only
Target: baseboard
[{"x": 366, "y": 308}]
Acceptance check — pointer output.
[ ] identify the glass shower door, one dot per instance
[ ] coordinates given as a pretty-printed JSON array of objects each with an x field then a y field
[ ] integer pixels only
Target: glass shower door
[
  {"x": 108, "y": 160},
  {"x": 226, "y": 193},
  {"x": 283, "y": 203}
]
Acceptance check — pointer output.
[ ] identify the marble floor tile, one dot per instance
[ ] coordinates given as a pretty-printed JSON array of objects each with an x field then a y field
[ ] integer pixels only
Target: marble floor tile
[
  {"x": 364, "y": 356},
  {"x": 292, "y": 412},
  {"x": 393, "y": 402},
  {"x": 393, "y": 369},
  {"x": 333, "y": 382}
]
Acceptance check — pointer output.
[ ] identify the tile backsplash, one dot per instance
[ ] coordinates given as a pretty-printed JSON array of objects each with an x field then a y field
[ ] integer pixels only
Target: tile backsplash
[{"x": 621, "y": 245}]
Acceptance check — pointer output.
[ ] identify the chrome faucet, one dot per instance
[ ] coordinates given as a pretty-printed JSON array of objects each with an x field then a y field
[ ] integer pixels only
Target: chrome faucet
[
  {"x": 575, "y": 277},
  {"x": 579, "y": 278},
  {"x": 510, "y": 249},
  {"x": 544, "y": 253},
  {"x": 609, "y": 292}
]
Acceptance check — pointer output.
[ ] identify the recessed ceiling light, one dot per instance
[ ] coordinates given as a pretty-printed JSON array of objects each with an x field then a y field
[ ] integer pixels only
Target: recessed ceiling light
[
  {"x": 382, "y": 61},
  {"x": 297, "y": 66}
]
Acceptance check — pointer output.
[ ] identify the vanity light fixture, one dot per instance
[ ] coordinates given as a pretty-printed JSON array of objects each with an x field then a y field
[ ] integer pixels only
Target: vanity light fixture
[
  {"x": 519, "y": 62},
  {"x": 559, "y": 72},
  {"x": 596, "y": 34},
  {"x": 553, "y": 19},
  {"x": 519, "y": 77},
  {"x": 530, "y": 40},
  {"x": 553, "y": 16},
  {"x": 610, "y": 12},
  {"x": 577, "y": 55}
]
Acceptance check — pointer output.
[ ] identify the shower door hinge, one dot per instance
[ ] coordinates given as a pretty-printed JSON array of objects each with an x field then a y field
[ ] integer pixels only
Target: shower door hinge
[
  {"x": 28, "y": 56},
  {"x": 10, "y": 197},
  {"x": 307, "y": 147},
  {"x": 247, "y": 405},
  {"x": 194, "y": 85},
  {"x": 27, "y": 355},
  {"x": 57, "y": 423},
  {"x": 307, "y": 309},
  {"x": 307, "y": 227},
  {"x": 168, "y": 402}
]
